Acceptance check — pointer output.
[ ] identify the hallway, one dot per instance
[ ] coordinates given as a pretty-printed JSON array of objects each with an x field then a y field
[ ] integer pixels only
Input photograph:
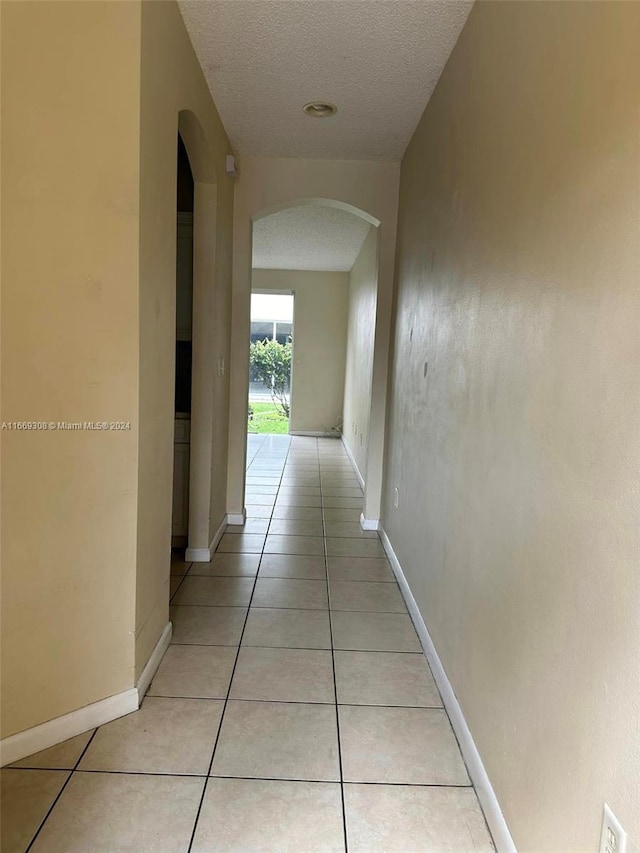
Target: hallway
[
  {"x": 246, "y": 695},
  {"x": 450, "y": 192}
]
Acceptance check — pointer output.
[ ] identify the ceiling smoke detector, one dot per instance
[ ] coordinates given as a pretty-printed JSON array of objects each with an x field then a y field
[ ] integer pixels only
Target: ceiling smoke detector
[{"x": 320, "y": 109}]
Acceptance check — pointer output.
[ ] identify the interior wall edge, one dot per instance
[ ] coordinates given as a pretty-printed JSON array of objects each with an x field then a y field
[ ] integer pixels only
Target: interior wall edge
[
  {"x": 155, "y": 659},
  {"x": 42, "y": 736},
  {"x": 361, "y": 479},
  {"x": 472, "y": 758},
  {"x": 203, "y": 555}
]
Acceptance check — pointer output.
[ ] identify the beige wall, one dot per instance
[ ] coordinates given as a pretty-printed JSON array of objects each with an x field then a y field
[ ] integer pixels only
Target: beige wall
[
  {"x": 269, "y": 184},
  {"x": 172, "y": 82},
  {"x": 517, "y": 456},
  {"x": 70, "y": 203},
  {"x": 320, "y": 338},
  {"x": 88, "y": 330},
  {"x": 363, "y": 285}
]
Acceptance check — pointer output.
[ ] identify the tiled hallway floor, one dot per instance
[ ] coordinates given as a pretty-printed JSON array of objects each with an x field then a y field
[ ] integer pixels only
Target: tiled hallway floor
[{"x": 294, "y": 710}]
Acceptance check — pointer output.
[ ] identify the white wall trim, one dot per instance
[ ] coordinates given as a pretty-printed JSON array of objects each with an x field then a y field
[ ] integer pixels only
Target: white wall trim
[
  {"x": 55, "y": 731},
  {"x": 237, "y": 518},
  {"x": 203, "y": 555},
  {"x": 217, "y": 536},
  {"x": 197, "y": 555},
  {"x": 315, "y": 433},
  {"x": 155, "y": 659},
  {"x": 353, "y": 461},
  {"x": 488, "y": 800},
  {"x": 369, "y": 523}
]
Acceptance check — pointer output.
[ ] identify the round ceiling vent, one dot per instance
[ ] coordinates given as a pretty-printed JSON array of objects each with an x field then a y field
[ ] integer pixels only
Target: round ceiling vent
[{"x": 320, "y": 109}]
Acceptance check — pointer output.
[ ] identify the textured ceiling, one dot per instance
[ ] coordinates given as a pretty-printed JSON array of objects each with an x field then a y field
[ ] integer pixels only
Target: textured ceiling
[
  {"x": 378, "y": 60},
  {"x": 308, "y": 237}
]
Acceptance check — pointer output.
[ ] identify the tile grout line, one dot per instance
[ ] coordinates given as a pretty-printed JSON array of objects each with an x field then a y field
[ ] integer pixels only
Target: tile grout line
[
  {"x": 458, "y": 785},
  {"x": 226, "y": 701},
  {"x": 301, "y": 648},
  {"x": 182, "y": 577},
  {"x": 275, "y": 702},
  {"x": 333, "y": 666},
  {"x": 333, "y": 658},
  {"x": 310, "y": 609},
  {"x": 62, "y": 790}
]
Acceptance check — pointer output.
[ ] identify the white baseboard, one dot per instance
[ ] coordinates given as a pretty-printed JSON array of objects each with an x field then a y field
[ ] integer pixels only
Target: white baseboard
[
  {"x": 146, "y": 676},
  {"x": 353, "y": 462},
  {"x": 217, "y": 536},
  {"x": 55, "y": 731},
  {"x": 369, "y": 523},
  {"x": 488, "y": 800},
  {"x": 314, "y": 433},
  {"x": 237, "y": 518},
  {"x": 203, "y": 555},
  {"x": 197, "y": 555}
]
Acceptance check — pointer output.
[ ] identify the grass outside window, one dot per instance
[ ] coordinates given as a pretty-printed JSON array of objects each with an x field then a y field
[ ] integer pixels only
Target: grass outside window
[{"x": 267, "y": 418}]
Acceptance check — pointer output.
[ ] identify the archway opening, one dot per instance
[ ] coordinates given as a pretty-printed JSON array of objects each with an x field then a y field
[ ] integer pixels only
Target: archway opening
[
  {"x": 183, "y": 352},
  {"x": 202, "y": 480},
  {"x": 325, "y": 254}
]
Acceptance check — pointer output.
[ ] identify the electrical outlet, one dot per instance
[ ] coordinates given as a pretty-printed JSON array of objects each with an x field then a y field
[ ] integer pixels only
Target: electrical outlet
[
  {"x": 613, "y": 838},
  {"x": 396, "y": 497}
]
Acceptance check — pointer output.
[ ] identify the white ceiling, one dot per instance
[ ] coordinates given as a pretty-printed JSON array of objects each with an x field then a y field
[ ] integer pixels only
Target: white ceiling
[
  {"x": 309, "y": 237},
  {"x": 377, "y": 60}
]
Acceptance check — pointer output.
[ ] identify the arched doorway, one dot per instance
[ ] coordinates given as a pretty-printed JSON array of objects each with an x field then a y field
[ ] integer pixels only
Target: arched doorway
[
  {"x": 184, "y": 346},
  {"x": 356, "y": 435},
  {"x": 202, "y": 344}
]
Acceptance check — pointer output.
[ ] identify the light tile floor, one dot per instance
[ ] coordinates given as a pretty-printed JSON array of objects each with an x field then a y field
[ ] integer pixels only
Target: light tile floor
[{"x": 294, "y": 710}]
